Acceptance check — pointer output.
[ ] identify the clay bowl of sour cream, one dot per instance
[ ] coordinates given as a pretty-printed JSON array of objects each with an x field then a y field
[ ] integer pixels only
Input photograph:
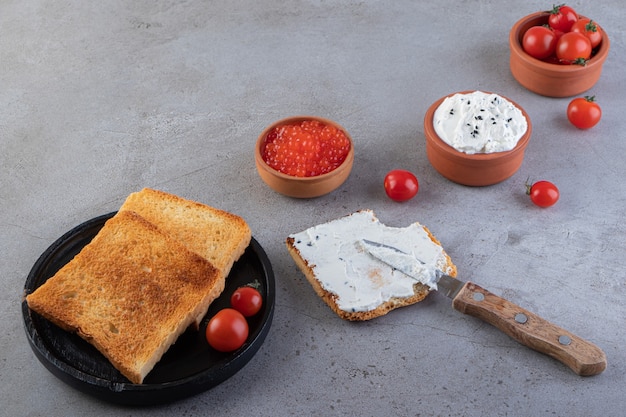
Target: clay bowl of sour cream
[
  {"x": 304, "y": 156},
  {"x": 476, "y": 138}
]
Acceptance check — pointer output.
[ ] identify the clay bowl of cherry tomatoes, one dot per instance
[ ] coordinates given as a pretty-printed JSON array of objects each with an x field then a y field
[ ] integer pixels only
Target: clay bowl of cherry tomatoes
[
  {"x": 304, "y": 156},
  {"x": 557, "y": 53},
  {"x": 473, "y": 169}
]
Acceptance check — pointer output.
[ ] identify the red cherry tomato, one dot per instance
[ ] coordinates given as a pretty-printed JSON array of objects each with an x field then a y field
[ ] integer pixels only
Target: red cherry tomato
[
  {"x": 227, "y": 330},
  {"x": 562, "y": 18},
  {"x": 543, "y": 193},
  {"x": 539, "y": 42},
  {"x": 558, "y": 33},
  {"x": 584, "y": 113},
  {"x": 590, "y": 29},
  {"x": 401, "y": 185},
  {"x": 247, "y": 301},
  {"x": 573, "y": 47}
]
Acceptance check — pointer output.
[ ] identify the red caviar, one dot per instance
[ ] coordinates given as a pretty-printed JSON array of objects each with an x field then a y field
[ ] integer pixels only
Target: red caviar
[{"x": 305, "y": 149}]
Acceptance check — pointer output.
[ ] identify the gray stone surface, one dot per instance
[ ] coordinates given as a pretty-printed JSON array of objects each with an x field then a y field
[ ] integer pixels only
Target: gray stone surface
[{"x": 100, "y": 99}]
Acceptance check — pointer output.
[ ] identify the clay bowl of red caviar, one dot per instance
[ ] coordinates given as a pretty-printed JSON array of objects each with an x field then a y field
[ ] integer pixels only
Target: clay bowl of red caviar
[
  {"x": 473, "y": 169},
  {"x": 553, "y": 79},
  {"x": 304, "y": 156}
]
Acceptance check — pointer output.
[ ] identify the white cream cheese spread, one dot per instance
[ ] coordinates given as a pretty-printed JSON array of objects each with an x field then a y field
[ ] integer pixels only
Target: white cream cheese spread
[
  {"x": 479, "y": 122},
  {"x": 361, "y": 282}
]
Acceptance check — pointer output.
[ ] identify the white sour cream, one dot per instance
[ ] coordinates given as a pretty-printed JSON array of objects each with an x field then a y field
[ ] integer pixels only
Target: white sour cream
[
  {"x": 479, "y": 122},
  {"x": 334, "y": 252}
]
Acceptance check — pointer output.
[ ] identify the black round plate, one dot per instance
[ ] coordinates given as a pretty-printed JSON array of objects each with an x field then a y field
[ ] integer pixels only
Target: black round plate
[{"x": 189, "y": 367}]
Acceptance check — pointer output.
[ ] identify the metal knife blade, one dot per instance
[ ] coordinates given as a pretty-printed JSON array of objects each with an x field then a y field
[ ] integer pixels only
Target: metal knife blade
[
  {"x": 413, "y": 267},
  {"x": 401, "y": 261},
  {"x": 527, "y": 328}
]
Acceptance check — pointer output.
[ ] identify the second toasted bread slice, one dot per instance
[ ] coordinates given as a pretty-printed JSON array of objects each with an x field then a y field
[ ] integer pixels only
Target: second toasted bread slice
[{"x": 219, "y": 236}]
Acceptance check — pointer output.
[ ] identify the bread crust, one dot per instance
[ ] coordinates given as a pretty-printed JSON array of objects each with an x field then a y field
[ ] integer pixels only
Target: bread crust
[
  {"x": 130, "y": 292},
  {"x": 420, "y": 291}
]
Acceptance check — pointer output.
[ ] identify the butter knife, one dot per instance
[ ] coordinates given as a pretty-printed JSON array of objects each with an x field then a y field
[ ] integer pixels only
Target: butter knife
[{"x": 583, "y": 357}]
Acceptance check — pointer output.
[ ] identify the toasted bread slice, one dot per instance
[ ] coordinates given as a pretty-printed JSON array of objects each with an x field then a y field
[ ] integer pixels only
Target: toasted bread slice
[
  {"x": 130, "y": 292},
  {"x": 217, "y": 235},
  {"x": 355, "y": 285}
]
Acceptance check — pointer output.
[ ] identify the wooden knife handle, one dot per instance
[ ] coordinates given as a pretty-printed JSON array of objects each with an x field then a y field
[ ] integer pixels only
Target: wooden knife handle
[{"x": 581, "y": 356}]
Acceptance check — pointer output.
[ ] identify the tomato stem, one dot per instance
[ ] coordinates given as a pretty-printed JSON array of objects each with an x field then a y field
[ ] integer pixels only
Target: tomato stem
[
  {"x": 255, "y": 284},
  {"x": 529, "y": 186},
  {"x": 591, "y": 26},
  {"x": 556, "y": 8}
]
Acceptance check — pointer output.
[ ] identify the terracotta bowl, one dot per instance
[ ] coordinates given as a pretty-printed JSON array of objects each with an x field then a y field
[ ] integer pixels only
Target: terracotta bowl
[
  {"x": 549, "y": 79},
  {"x": 302, "y": 187},
  {"x": 472, "y": 169}
]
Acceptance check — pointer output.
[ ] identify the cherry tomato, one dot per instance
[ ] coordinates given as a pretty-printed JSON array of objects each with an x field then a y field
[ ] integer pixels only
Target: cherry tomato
[
  {"x": 401, "y": 185},
  {"x": 543, "y": 193},
  {"x": 562, "y": 18},
  {"x": 573, "y": 47},
  {"x": 246, "y": 300},
  {"x": 552, "y": 59},
  {"x": 584, "y": 113},
  {"x": 227, "y": 330},
  {"x": 590, "y": 29},
  {"x": 558, "y": 33},
  {"x": 539, "y": 42}
]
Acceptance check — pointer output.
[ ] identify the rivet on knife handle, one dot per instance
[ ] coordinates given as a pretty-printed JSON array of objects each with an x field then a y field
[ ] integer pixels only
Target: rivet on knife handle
[{"x": 581, "y": 356}]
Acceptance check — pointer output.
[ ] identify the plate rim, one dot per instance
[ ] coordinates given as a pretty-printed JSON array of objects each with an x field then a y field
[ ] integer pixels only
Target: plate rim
[{"x": 128, "y": 393}]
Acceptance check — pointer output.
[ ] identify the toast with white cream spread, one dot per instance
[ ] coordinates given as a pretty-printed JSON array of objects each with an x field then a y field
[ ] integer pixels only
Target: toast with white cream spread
[{"x": 355, "y": 285}]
